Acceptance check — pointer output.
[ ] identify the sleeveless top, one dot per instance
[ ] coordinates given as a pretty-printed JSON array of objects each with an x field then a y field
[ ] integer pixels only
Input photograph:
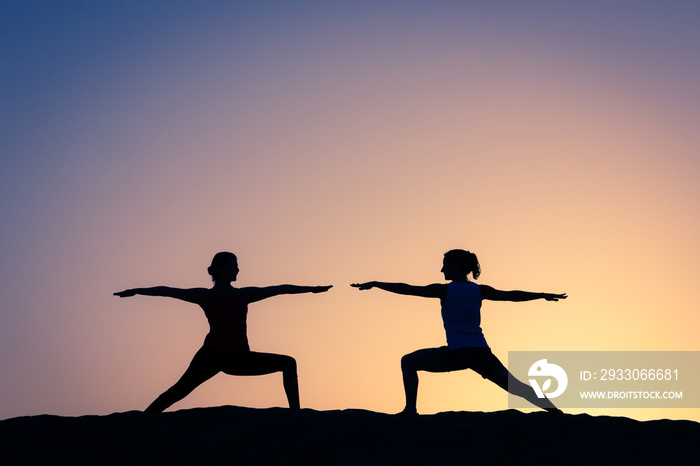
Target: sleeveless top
[
  {"x": 461, "y": 315},
  {"x": 227, "y": 322}
]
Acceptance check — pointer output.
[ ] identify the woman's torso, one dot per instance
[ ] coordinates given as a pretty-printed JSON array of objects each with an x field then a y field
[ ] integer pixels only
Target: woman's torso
[
  {"x": 461, "y": 316},
  {"x": 227, "y": 313}
]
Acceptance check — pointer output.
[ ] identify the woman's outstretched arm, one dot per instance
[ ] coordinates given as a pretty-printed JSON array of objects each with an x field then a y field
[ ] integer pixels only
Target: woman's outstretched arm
[
  {"x": 490, "y": 293},
  {"x": 191, "y": 295},
  {"x": 253, "y": 294},
  {"x": 435, "y": 290}
]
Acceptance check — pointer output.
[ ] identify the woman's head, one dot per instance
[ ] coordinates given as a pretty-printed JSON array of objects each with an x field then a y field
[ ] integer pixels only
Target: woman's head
[
  {"x": 464, "y": 262},
  {"x": 220, "y": 263}
]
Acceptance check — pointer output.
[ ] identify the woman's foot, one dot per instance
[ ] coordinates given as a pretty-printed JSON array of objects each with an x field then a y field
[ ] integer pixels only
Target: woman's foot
[
  {"x": 408, "y": 412},
  {"x": 554, "y": 410}
]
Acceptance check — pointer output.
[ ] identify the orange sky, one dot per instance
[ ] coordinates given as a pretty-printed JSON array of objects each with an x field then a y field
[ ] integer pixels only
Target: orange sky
[{"x": 330, "y": 145}]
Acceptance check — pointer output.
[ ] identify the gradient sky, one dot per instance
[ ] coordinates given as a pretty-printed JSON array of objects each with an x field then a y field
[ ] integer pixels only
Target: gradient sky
[{"x": 329, "y": 143}]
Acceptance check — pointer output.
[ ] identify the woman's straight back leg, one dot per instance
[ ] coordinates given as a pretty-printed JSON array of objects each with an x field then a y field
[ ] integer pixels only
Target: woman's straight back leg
[{"x": 202, "y": 368}]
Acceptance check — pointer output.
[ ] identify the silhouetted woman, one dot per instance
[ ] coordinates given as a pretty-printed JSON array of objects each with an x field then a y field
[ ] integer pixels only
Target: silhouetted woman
[
  {"x": 225, "y": 348},
  {"x": 461, "y": 314}
]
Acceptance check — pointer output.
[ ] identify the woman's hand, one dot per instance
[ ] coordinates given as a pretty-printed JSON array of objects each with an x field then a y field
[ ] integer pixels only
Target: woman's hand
[
  {"x": 554, "y": 297},
  {"x": 125, "y": 293},
  {"x": 363, "y": 286},
  {"x": 321, "y": 289}
]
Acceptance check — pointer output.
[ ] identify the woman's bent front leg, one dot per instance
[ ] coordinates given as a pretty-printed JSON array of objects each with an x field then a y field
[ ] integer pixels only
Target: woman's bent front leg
[
  {"x": 430, "y": 360},
  {"x": 254, "y": 363}
]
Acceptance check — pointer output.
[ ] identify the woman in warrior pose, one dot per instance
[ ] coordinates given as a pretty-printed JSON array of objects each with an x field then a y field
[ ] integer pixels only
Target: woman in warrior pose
[
  {"x": 225, "y": 348},
  {"x": 461, "y": 314}
]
